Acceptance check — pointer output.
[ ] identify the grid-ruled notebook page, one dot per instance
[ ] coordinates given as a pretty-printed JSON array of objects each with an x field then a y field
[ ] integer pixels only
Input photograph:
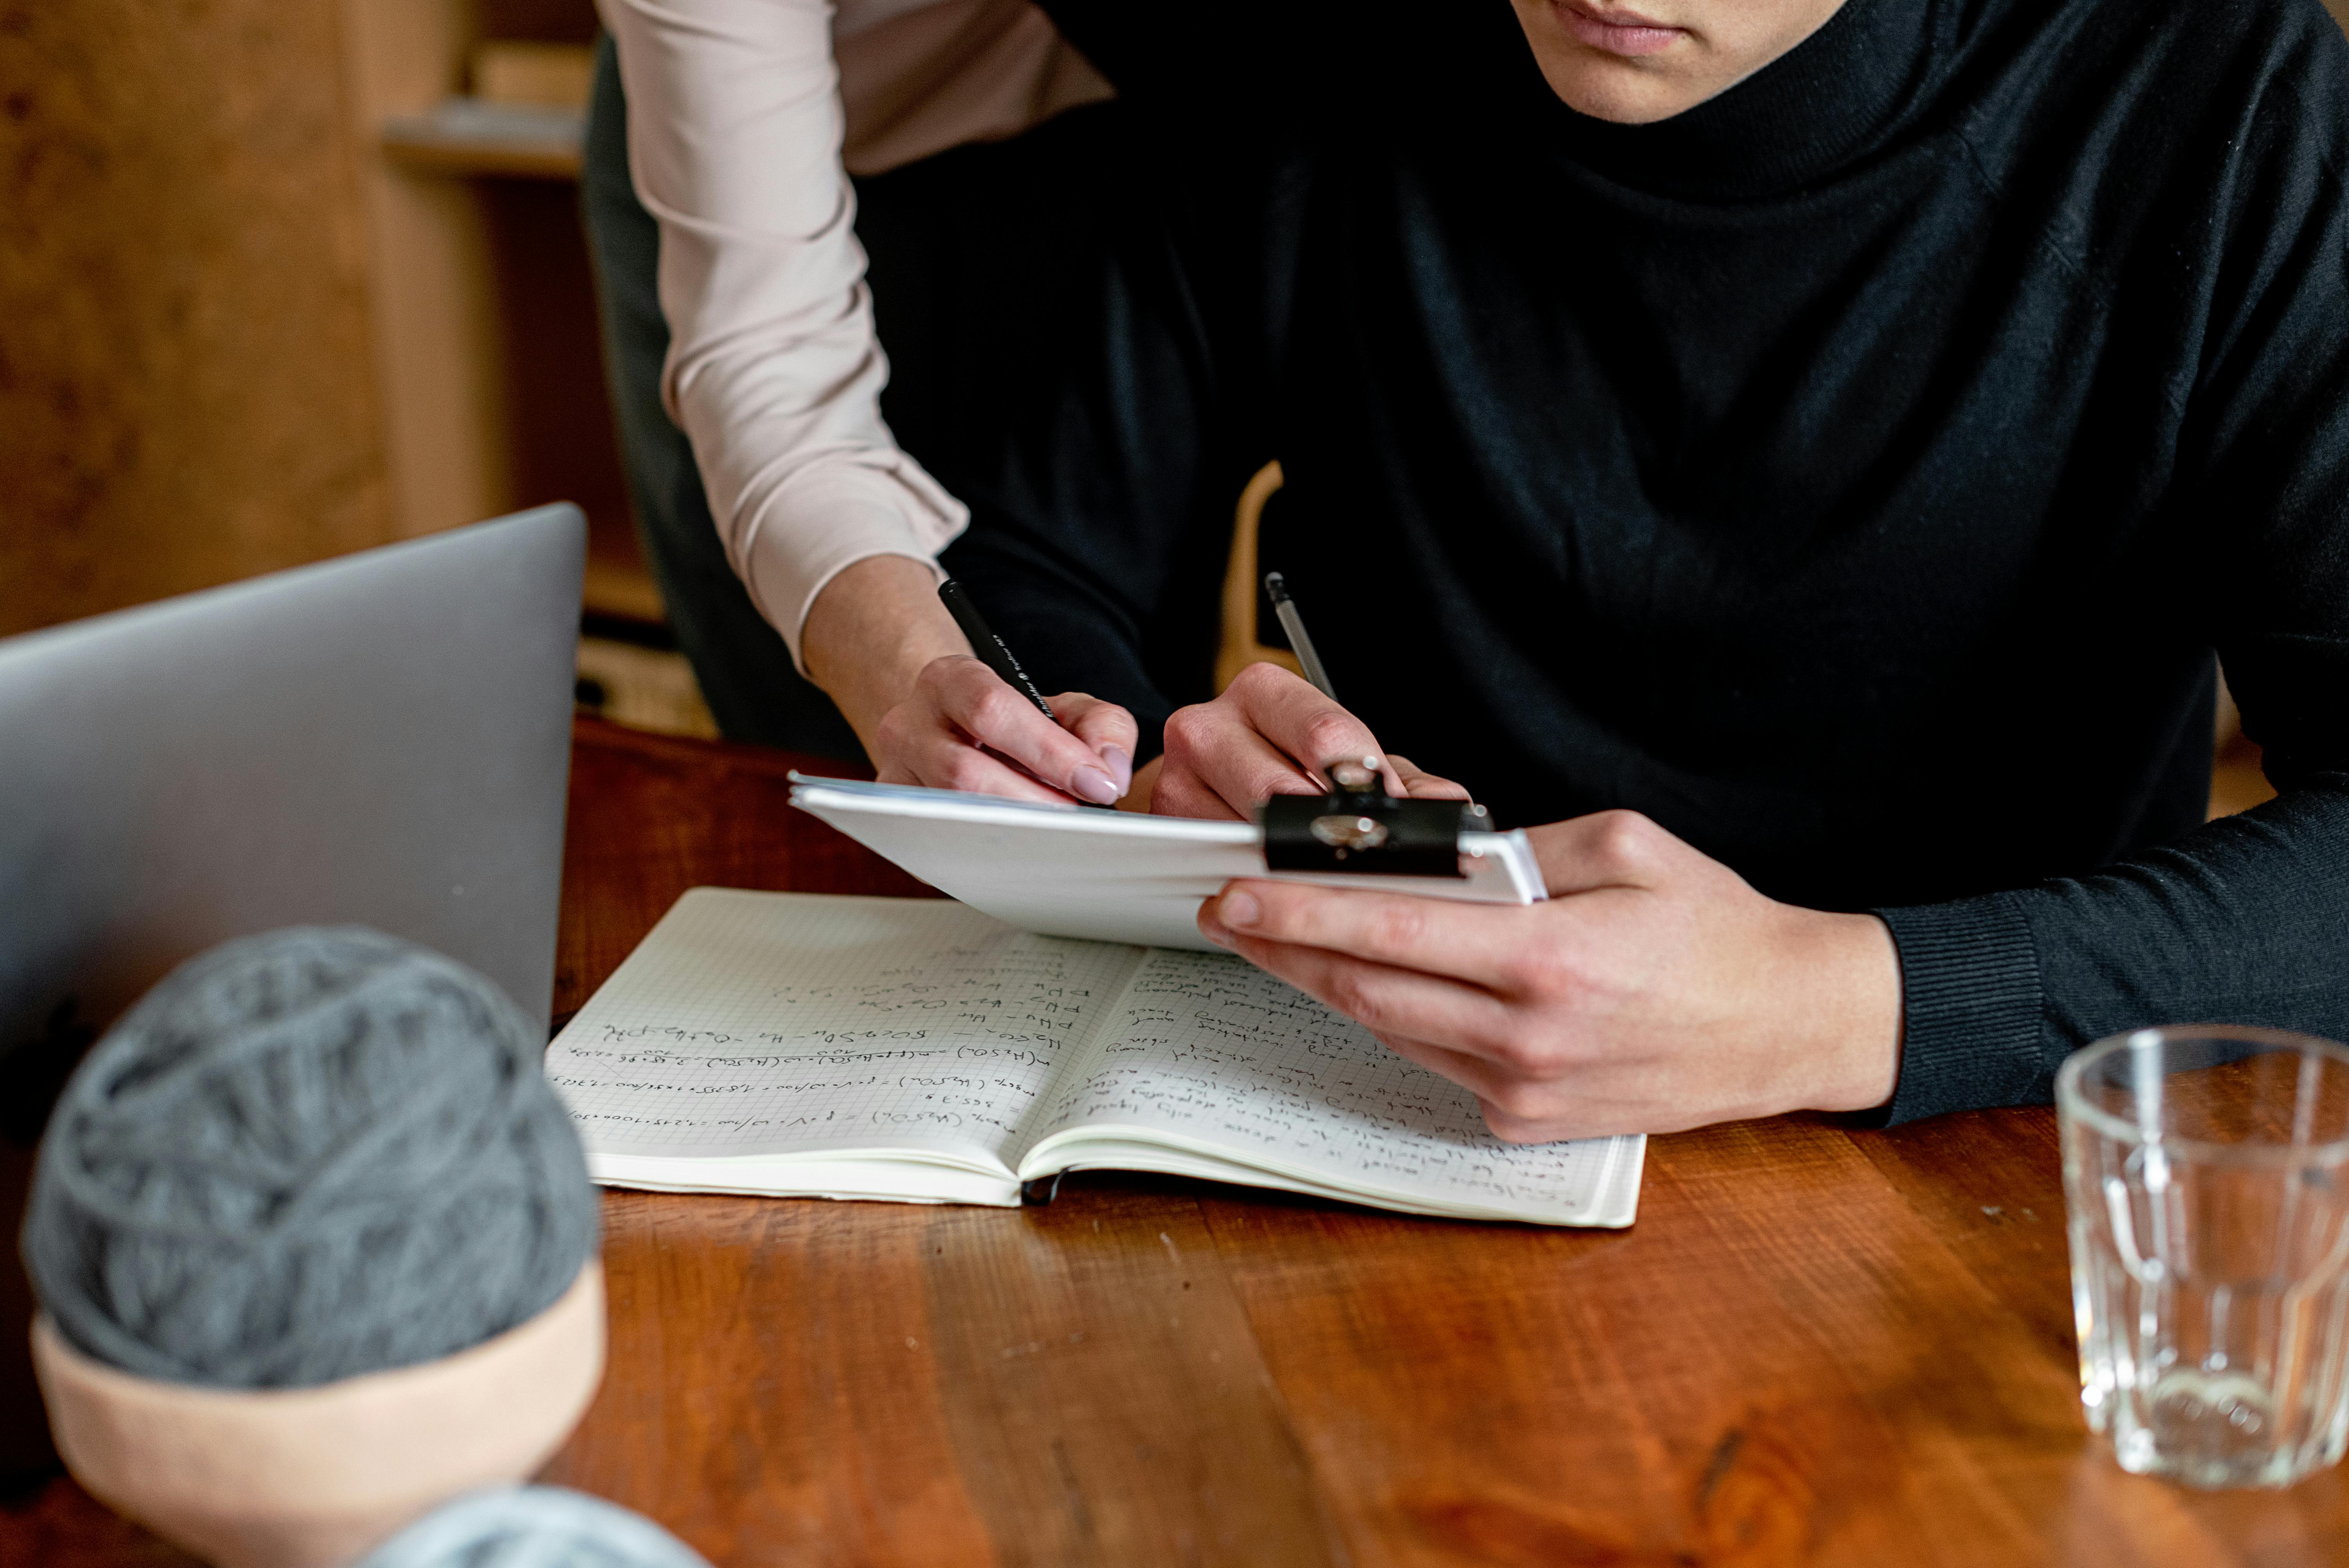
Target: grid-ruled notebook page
[
  {"x": 752, "y": 1022},
  {"x": 1210, "y": 1048}
]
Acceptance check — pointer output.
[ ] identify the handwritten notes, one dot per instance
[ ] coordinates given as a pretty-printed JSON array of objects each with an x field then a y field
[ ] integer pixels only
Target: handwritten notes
[
  {"x": 757, "y": 1022},
  {"x": 791, "y": 1042},
  {"x": 1224, "y": 1055}
]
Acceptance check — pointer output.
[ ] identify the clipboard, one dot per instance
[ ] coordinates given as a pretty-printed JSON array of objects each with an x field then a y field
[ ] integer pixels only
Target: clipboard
[{"x": 1111, "y": 876}]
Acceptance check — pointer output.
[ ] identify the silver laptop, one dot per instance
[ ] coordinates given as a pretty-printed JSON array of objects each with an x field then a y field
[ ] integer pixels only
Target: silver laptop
[{"x": 381, "y": 739}]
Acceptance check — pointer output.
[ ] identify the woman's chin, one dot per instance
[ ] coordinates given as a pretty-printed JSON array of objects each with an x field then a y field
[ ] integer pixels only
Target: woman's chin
[{"x": 1610, "y": 87}]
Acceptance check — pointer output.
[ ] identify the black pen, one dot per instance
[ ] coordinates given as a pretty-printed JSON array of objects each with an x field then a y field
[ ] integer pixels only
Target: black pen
[
  {"x": 994, "y": 650},
  {"x": 1294, "y": 625}
]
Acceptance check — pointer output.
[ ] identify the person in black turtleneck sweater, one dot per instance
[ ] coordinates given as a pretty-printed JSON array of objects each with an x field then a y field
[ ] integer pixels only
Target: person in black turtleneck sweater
[{"x": 1839, "y": 435}]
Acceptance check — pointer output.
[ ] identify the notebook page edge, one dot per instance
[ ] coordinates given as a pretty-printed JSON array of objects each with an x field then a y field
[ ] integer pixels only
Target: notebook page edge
[
  {"x": 879, "y": 1180},
  {"x": 1148, "y": 1150},
  {"x": 1170, "y": 1153}
]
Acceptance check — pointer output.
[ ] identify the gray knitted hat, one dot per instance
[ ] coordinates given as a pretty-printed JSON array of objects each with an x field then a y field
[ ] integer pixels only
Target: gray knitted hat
[{"x": 301, "y": 1157}]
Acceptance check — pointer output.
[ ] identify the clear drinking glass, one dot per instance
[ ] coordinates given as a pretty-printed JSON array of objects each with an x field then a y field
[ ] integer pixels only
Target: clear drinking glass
[{"x": 2206, "y": 1176}]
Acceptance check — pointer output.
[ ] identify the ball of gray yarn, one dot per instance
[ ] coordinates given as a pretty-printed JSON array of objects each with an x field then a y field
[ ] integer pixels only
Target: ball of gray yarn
[
  {"x": 301, "y": 1157},
  {"x": 532, "y": 1527}
]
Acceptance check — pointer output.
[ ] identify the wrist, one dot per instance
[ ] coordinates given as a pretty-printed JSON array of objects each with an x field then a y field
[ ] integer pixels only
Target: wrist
[
  {"x": 870, "y": 634},
  {"x": 1849, "y": 991}
]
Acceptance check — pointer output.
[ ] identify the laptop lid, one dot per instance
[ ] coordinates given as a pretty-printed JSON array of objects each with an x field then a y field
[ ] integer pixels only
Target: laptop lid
[{"x": 381, "y": 739}]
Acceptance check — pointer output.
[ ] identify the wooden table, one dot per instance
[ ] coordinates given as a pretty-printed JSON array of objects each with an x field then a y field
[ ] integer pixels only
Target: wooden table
[{"x": 1816, "y": 1346}]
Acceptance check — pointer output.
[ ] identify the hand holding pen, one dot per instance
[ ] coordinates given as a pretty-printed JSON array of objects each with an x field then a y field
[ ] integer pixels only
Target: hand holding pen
[{"x": 979, "y": 723}]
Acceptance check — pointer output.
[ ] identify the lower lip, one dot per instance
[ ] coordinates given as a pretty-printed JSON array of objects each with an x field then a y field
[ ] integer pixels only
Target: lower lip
[{"x": 1618, "y": 40}]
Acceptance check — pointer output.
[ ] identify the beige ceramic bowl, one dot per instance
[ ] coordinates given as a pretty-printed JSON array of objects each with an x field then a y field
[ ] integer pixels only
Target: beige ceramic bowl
[{"x": 313, "y": 1478}]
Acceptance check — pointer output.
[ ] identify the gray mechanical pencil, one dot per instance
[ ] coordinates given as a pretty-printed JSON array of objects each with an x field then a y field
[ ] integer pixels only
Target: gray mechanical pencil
[{"x": 1294, "y": 625}]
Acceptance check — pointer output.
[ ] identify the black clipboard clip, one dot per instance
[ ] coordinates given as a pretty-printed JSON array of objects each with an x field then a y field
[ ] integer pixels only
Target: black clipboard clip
[{"x": 1358, "y": 828}]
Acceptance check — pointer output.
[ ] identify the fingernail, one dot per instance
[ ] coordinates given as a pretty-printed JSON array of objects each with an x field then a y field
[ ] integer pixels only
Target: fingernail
[
  {"x": 1239, "y": 908},
  {"x": 1095, "y": 786},
  {"x": 1121, "y": 766},
  {"x": 1214, "y": 932}
]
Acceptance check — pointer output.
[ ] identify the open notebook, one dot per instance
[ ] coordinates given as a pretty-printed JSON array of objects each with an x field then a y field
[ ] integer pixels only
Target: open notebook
[{"x": 902, "y": 1048}]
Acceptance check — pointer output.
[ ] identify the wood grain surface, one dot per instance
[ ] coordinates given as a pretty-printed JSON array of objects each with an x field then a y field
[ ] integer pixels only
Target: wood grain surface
[{"x": 1817, "y": 1346}]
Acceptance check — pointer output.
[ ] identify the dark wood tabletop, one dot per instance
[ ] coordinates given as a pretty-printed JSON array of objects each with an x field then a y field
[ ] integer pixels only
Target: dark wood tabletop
[{"x": 1817, "y": 1346}]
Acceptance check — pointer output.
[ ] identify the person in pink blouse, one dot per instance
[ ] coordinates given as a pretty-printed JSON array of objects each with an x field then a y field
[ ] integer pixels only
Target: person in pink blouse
[{"x": 796, "y": 537}]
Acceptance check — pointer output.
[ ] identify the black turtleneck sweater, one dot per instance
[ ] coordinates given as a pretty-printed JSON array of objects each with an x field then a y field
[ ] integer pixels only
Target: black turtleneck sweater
[{"x": 1855, "y": 473}]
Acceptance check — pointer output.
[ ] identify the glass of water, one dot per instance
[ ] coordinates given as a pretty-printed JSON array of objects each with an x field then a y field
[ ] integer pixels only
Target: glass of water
[{"x": 2206, "y": 1177}]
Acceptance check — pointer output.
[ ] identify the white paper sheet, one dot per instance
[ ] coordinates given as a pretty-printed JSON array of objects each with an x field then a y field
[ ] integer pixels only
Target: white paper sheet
[{"x": 1108, "y": 876}]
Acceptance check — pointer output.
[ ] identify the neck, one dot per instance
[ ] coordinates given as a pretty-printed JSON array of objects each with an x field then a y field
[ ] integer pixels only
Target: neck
[{"x": 1823, "y": 105}]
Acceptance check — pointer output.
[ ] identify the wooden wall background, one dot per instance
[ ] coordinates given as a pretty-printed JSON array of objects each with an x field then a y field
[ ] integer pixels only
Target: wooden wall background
[{"x": 187, "y": 388}]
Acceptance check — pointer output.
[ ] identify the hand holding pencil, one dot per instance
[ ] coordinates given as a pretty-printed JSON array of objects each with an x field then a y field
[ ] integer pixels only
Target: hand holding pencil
[{"x": 1272, "y": 734}]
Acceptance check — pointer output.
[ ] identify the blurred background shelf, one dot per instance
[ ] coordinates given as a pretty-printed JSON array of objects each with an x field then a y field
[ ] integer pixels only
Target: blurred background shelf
[
  {"x": 467, "y": 137},
  {"x": 498, "y": 397}
]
